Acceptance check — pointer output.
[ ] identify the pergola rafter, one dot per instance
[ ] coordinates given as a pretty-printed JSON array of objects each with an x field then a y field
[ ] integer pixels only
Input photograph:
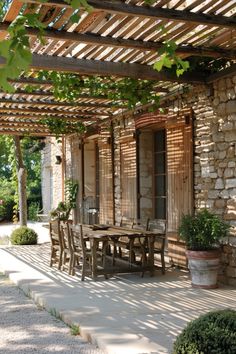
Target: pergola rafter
[
  {"x": 117, "y": 39},
  {"x": 95, "y": 39},
  {"x": 96, "y": 67},
  {"x": 119, "y": 7}
]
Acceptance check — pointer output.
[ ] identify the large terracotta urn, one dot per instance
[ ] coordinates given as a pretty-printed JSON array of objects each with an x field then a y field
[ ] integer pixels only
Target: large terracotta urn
[{"x": 203, "y": 266}]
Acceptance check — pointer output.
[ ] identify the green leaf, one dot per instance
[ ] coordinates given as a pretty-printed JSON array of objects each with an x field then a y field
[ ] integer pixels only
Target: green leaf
[{"x": 75, "y": 18}]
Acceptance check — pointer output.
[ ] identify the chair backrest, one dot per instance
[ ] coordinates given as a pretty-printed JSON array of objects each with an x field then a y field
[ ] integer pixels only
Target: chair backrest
[
  {"x": 65, "y": 235},
  {"x": 126, "y": 222},
  {"x": 157, "y": 225},
  {"x": 55, "y": 232},
  {"x": 77, "y": 239},
  {"x": 140, "y": 224}
]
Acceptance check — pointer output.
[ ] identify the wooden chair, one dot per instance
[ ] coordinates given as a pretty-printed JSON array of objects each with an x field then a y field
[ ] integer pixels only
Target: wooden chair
[
  {"x": 139, "y": 245},
  {"x": 159, "y": 228},
  {"x": 81, "y": 254},
  {"x": 123, "y": 243},
  {"x": 56, "y": 243},
  {"x": 67, "y": 253}
]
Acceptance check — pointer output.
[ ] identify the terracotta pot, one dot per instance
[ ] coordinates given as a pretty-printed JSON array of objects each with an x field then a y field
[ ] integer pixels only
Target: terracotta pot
[{"x": 203, "y": 266}]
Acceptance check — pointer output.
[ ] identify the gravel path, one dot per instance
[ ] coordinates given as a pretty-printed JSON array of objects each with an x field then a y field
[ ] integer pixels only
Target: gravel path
[{"x": 27, "y": 329}]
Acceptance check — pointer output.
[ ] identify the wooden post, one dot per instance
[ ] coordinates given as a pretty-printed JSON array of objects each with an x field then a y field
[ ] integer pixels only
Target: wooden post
[{"x": 22, "y": 177}]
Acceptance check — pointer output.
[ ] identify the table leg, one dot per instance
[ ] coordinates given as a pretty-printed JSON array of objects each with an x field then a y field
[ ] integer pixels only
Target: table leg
[
  {"x": 94, "y": 245},
  {"x": 151, "y": 240}
]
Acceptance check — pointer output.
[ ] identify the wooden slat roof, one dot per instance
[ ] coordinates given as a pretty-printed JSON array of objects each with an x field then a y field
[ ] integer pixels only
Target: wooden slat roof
[{"x": 118, "y": 38}]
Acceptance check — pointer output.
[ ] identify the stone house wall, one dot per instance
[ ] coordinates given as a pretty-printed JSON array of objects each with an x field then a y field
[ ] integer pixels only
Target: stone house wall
[
  {"x": 214, "y": 161},
  {"x": 51, "y": 175},
  {"x": 214, "y": 109}
]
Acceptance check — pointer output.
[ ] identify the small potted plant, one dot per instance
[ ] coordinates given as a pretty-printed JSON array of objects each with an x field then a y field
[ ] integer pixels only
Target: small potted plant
[{"x": 202, "y": 233}]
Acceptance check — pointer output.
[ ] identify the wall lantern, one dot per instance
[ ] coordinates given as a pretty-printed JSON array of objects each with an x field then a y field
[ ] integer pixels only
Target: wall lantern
[{"x": 58, "y": 160}]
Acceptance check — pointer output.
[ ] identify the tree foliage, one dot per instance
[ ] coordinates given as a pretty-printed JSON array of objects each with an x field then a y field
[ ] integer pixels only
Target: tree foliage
[{"x": 8, "y": 179}]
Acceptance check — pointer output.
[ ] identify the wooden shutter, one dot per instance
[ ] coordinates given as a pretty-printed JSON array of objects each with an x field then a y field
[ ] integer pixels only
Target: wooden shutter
[
  {"x": 106, "y": 184},
  {"x": 179, "y": 171},
  {"x": 128, "y": 178}
]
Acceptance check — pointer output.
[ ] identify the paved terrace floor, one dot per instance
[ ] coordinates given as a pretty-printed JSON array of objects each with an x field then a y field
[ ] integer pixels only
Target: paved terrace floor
[{"x": 126, "y": 314}]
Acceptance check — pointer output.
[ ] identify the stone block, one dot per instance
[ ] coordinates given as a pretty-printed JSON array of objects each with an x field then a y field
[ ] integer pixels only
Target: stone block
[
  {"x": 230, "y": 94},
  {"x": 219, "y": 183},
  {"x": 224, "y": 258},
  {"x": 230, "y": 215},
  {"x": 232, "y": 193},
  {"x": 231, "y": 281},
  {"x": 221, "y": 109},
  {"x": 220, "y": 172},
  {"x": 213, "y": 194},
  {"x": 220, "y": 203},
  {"x": 218, "y": 137},
  {"x": 232, "y": 260},
  {"x": 224, "y": 194},
  {"x": 231, "y": 152},
  {"x": 230, "y": 136},
  {"x": 229, "y": 172},
  {"x": 230, "y": 107},
  {"x": 229, "y": 82},
  {"x": 231, "y": 272},
  {"x": 216, "y": 101},
  {"x": 222, "y": 155},
  {"x": 231, "y": 203},
  {"x": 231, "y": 164},
  {"x": 230, "y": 183},
  {"x": 213, "y": 175},
  {"x": 222, "y": 146},
  {"x": 227, "y": 126}
]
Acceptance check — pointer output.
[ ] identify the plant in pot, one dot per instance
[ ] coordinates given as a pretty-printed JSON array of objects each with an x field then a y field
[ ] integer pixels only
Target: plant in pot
[
  {"x": 63, "y": 209},
  {"x": 202, "y": 233}
]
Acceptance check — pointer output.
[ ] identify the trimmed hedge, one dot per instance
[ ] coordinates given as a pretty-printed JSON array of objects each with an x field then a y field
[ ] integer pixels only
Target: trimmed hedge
[
  {"x": 212, "y": 333},
  {"x": 24, "y": 236}
]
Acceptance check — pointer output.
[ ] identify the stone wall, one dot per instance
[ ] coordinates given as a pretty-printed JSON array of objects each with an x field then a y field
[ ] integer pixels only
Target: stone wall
[
  {"x": 214, "y": 110},
  {"x": 51, "y": 175}
]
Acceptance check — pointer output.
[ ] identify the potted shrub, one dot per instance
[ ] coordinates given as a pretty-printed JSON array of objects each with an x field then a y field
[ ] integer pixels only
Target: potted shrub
[{"x": 202, "y": 233}]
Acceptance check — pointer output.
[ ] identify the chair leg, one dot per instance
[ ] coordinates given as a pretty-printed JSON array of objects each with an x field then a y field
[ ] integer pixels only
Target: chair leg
[
  {"x": 60, "y": 259},
  {"x": 83, "y": 269},
  {"x": 162, "y": 263},
  {"x": 71, "y": 265}
]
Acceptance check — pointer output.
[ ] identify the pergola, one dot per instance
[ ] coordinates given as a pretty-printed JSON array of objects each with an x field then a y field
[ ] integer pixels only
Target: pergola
[{"x": 118, "y": 39}]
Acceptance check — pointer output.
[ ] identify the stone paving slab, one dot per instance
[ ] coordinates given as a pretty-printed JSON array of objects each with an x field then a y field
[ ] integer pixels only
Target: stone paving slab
[{"x": 124, "y": 315}]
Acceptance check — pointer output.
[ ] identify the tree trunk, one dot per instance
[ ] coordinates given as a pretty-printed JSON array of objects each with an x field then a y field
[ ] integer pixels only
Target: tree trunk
[{"x": 22, "y": 176}]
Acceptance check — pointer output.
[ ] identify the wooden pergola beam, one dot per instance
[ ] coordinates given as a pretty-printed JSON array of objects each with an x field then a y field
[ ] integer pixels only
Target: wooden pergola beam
[
  {"x": 50, "y": 94},
  {"x": 104, "y": 68},
  {"x": 119, "y": 7},
  {"x": 35, "y": 81},
  {"x": 24, "y": 133},
  {"x": 61, "y": 104},
  {"x": 98, "y": 40},
  {"x": 29, "y": 118},
  {"x": 52, "y": 112}
]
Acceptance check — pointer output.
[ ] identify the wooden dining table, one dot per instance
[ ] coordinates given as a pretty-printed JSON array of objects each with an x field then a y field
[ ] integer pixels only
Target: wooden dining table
[{"x": 103, "y": 237}]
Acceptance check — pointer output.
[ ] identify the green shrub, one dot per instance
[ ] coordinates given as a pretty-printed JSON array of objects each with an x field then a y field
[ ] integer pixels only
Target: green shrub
[
  {"x": 203, "y": 230},
  {"x": 33, "y": 210},
  {"x": 212, "y": 333},
  {"x": 24, "y": 236}
]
